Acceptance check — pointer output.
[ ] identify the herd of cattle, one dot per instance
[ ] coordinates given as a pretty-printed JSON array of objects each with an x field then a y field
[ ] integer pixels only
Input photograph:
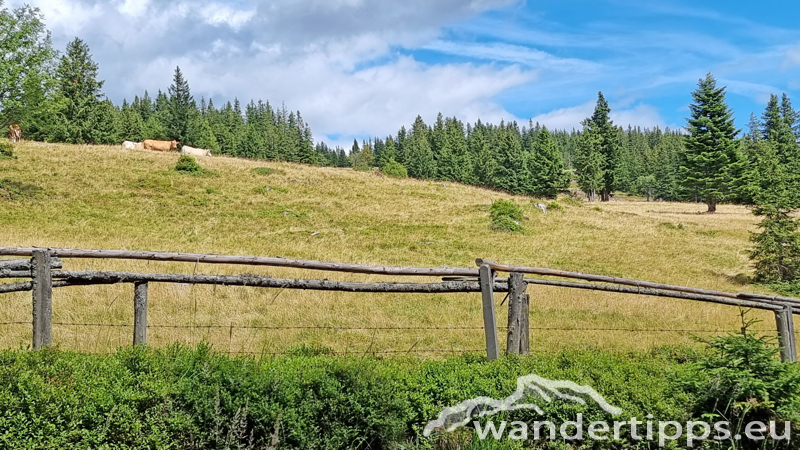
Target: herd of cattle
[
  {"x": 15, "y": 134},
  {"x": 165, "y": 146}
]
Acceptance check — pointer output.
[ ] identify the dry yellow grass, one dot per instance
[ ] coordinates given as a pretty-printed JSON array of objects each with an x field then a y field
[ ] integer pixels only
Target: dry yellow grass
[{"x": 107, "y": 197}]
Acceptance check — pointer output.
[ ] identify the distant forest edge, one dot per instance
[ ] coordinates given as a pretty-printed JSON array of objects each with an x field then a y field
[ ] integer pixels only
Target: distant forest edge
[{"x": 58, "y": 98}]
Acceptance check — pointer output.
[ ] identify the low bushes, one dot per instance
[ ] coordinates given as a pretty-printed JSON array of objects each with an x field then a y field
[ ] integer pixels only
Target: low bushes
[
  {"x": 183, "y": 398},
  {"x": 506, "y": 216},
  {"x": 6, "y": 150},
  {"x": 188, "y": 165}
]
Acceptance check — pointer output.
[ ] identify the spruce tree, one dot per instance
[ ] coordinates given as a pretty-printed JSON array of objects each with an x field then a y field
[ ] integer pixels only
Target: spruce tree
[
  {"x": 711, "y": 161},
  {"x": 589, "y": 163},
  {"x": 418, "y": 153},
  {"x": 777, "y": 247},
  {"x": 181, "y": 107},
  {"x": 79, "y": 92},
  {"x": 606, "y": 138},
  {"x": 550, "y": 176}
]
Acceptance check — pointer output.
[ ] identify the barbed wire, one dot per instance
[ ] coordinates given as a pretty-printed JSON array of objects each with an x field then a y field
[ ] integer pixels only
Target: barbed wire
[{"x": 342, "y": 328}]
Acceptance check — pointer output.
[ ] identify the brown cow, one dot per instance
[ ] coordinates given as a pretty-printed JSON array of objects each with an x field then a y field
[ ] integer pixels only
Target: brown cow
[
  {"x": 14, "y": 133},
  {"x": 161, "y": 146}
]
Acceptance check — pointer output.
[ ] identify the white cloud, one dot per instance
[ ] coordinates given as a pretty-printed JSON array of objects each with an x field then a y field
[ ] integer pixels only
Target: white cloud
[
  {"x": 641, "y": 115},
  {"x": 792, "y": 57},
  {"x": 334, "y": 60},
  {"x": 515, "y": 54}
]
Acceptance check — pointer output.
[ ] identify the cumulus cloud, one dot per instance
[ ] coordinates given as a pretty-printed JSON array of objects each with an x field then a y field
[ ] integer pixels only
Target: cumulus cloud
[
  {"x": 338, "y": 61},
  {"x": 641, "y": 115}
]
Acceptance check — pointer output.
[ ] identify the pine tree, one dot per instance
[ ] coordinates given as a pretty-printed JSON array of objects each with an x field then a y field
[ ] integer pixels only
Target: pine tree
[
  {"x": 550, "y": 176},
  {"x": 79, "y": 92},
  {"x": 711, "y": 161},
  {"x": 777, "y": 246},
  {"x": 589, "y": 163},
  {"x": 181, "y": 107},
  {"x": 790, "y": 116},
  {"x": 418, "y": 153},
  {"x": 606, "y": 138}
]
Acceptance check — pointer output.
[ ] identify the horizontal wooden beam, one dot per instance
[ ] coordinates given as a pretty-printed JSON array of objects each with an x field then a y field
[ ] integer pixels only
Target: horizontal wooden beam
[
  {"x": 625, "y": 281},
  {"x": 771, "y": 298},
  {"x": 25, "y": 264},
  {"x": 28, "y": 285},
  {"x": 659, "y": 293},
  {"x": 92, "y": 277},
  {"x": 246, "y": 260}
]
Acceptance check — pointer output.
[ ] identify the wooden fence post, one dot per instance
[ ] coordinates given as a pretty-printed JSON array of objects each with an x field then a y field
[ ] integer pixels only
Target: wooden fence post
[
  {"x": 524, "y": 329},
  {"x": 42, "y": 299},
  {"x": 489, "y": 321},
  {"x": 785, "y": 322},
  {"x": 140, "y": 313},
  {"x": 516, "y": 289}
]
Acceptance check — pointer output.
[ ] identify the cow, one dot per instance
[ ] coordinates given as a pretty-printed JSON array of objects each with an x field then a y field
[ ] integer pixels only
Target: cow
[
  {"x": 161, "y": 146},
  {"x": 186, "y": 150},
  {"x": 14, "y": 133},
  {"x": 130, "y": 145}
]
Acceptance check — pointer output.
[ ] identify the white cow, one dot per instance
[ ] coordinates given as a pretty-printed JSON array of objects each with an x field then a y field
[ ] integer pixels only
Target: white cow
[
  {"x": 129, "y": 145},
  {"x": 186, "y": 150}
]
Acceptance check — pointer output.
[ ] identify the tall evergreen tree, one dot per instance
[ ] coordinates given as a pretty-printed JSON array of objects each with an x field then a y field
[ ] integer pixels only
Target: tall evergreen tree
[
  {"x": 589, "y": 162},
  {"x": 712, "y": 161},
  {"x": 418, "y": 153},
  {"x": 181, "y": 107},
  {"x": 550, "y": 176},
  {"x": 606, "y": 138},
  {"x": 79, "y": 93}
]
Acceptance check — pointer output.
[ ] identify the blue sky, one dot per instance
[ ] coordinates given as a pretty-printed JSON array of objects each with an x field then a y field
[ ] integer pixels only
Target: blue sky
[{"x": 358, "y": 68}]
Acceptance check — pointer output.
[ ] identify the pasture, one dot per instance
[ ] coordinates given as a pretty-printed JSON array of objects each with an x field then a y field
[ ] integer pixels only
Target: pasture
[{"x": 108, "y": 197}]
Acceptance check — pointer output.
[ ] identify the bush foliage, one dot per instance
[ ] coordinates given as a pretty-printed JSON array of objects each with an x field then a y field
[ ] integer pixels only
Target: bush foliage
[
  {"x": 188, "y": 165},
  {"x": 506, "y": 216},
  {"x": 394, "y": 169},
  {"x": 183, "y": 398},
  {"x": 6, "y": 150}
]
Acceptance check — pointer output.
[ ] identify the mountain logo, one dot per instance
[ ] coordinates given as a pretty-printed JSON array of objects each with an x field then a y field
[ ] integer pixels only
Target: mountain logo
[{"x": 528, "y": 387}]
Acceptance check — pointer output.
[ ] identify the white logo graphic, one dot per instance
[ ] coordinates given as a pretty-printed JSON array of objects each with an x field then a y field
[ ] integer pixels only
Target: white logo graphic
[{"x": 528, "y": 386}]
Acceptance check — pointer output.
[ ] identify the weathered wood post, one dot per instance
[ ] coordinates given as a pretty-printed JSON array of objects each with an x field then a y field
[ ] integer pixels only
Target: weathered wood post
[
  {"x": 140, "y": 313},
  {"x": 42, "y": 299},
  {"x": 489, "y": 321},
  {"x": 786, "y": 339},
  {"x": 524, "y": 329},
  {"x": 516, "y": 289}
]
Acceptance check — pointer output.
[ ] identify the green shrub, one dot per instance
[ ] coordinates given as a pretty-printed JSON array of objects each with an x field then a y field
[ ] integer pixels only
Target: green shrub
[
  {"x": 394, "y": 169},
  {"x": 571, "y": 201},
  {"x": 182, "y": 398},
  {"x": 263, "y": 190},
  {"x": 506, "y": 216},
  {"x": 6, "y": 150},
  {"x": 740, "y": 380},
  {"x": 266, "y": 171},
  {"x": 188, "y": 165},
  {"x": 672, "y": 226},
  {"x": 554, "y": 206}
]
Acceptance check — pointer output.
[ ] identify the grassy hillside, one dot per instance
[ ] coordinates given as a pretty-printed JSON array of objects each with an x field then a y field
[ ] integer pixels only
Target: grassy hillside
[{"x": 107, "y": 197}]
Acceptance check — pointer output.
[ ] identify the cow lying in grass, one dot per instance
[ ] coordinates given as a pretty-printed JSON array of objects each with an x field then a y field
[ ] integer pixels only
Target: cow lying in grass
[
  {"x": 161, "y": 146},
  {"x": 186, "y": 150}
]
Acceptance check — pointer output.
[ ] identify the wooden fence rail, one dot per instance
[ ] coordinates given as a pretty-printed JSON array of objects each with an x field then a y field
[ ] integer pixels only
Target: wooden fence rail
[{"x": 44, "y": 268}]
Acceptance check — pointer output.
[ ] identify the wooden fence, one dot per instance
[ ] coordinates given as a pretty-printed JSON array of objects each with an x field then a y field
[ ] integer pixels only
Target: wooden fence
[{"x": 45, "y": 269}]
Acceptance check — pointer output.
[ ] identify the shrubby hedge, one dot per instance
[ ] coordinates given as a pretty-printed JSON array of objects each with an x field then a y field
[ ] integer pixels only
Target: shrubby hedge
[{"x": 193, "y": 398}]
